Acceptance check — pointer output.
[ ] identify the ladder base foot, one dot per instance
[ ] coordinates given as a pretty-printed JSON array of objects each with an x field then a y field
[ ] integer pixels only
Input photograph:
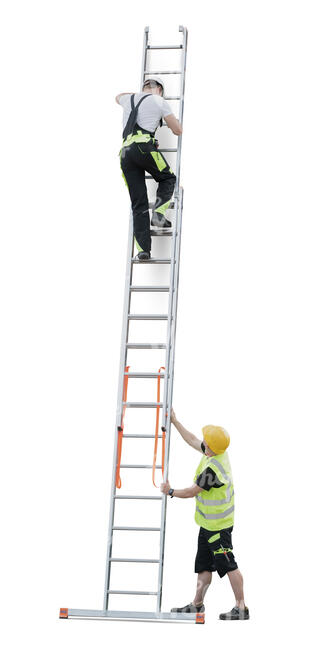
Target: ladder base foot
[
  {"x": 200, "y": 617},
  {"x": 63, "y": 612}
]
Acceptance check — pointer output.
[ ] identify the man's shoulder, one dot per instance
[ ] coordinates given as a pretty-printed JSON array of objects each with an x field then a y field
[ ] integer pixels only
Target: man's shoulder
[
  {"x": 222, "y": 462},
  {"x": 124, "y": 99},
  {"x": 160, "y": 101}
]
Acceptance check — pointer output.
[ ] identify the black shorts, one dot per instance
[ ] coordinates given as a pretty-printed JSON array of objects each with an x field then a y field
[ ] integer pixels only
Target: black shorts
[{"x": 208, "y": 557}]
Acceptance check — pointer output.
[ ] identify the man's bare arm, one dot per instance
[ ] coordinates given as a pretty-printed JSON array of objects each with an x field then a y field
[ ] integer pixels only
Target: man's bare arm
[
  {"x": 189, "y": 437},
  {"x": 184, "y": 493},
  {"x": 187, "y": 493},
  {"x": 174, "y": 124}
]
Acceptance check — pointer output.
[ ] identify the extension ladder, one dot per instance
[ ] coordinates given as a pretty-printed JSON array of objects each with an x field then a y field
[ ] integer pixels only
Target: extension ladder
[{"x": 167, "y": 376}]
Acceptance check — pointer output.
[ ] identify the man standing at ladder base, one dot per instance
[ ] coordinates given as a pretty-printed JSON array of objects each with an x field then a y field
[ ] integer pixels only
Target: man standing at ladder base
[
  {"x": 142, "y": 114},
  {"x": 214, "y": 493}
]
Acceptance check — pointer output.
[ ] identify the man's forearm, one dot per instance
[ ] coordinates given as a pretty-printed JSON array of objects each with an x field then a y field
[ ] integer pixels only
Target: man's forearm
[{"x": 185, "y": 493}]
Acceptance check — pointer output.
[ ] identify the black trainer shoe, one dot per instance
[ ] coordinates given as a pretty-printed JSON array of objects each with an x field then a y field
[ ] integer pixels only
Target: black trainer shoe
[
  {"x": 236, "y": 614},
  {"x": 143, "y": 255},
  {"x": 190, "y": 608},
  {"x": 159, "y": 221}
]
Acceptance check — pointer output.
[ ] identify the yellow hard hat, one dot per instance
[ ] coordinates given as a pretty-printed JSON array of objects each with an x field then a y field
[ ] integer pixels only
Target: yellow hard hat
[{"x": 216, "y": 438}]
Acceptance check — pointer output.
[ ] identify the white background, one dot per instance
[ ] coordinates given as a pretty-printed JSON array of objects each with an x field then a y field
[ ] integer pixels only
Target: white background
[{"x": 252, "y": 333}]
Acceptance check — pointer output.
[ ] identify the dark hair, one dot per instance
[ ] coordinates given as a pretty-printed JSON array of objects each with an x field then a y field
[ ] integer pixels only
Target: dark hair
[{"x": 152, "y": 84}]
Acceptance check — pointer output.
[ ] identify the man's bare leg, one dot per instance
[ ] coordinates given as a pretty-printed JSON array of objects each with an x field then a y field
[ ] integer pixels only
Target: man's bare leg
[
  {"x": 203, "y": 582},
  {"x": 236, "y": 580}
]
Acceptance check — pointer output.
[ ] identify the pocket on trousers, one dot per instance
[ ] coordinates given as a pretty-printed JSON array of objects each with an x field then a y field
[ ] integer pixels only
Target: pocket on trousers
[
  {"x": 214, "y": 542},
  {"x": 143, "y": 147},
  {"x": 159, "y": 160}
]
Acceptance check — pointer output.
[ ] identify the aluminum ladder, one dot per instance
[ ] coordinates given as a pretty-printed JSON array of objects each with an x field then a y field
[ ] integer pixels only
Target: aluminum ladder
[{"x": 167, "y": 376}]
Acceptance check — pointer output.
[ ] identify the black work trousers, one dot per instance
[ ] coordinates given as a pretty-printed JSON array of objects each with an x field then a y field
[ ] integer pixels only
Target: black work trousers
[{"x": 136, "y": 159}]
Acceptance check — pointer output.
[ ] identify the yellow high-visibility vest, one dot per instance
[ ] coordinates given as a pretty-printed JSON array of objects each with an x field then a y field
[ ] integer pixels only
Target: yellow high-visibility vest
[{"x": 215, "y": 507}]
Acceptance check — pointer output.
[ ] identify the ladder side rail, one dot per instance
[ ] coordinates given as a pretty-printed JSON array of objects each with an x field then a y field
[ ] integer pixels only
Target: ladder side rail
[
  {"x": 122, "y": 365},
  {"x": 175, "y": 235},
  {"x": 167, "y": 378},
  {"x": 123, "y": 360},
  {"x": 174, "y": 322},
  {"x": 167, "y": 401},
  {"x": 181, "y": 107},
  {"x": 144, "y": 55},
  {"x": 167, "y": 396},
  {"x": 171, "y": 315}
]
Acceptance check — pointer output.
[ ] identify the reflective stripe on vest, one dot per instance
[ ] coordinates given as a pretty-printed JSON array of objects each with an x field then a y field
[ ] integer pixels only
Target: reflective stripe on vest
[
  {"x": 216, "y": 515},
  {"x": 215, "y": 502}
]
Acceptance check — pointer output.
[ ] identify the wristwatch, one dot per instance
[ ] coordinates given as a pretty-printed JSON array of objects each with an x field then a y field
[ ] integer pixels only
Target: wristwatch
[{"x": 171, "y": 492}]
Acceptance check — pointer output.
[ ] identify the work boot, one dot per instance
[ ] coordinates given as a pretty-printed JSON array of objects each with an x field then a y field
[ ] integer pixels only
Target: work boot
[
  {"x": 159, "y": 221},
  {"x": 189, "y": 608},
  {"x": 143, "y": 255},
  {"x": 236, "y": 614}
]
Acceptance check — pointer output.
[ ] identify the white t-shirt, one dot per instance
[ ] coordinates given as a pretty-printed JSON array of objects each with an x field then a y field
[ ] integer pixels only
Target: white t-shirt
[{"x": 150, "y": 111}]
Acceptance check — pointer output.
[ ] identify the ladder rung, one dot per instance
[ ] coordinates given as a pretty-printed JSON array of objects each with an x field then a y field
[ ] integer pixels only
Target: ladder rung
[
  {"x": 128, "y": 559},
  {"x": 171, "y": 98},
  {"x": 146, "y": 346},
  {"x": 164, "y": 47},
  {"x": 136, "y": 528},
  {"x": 161, "y": 232},
  {"x": 163, "y": 72},
  {"x": 135, "y": 593},
  {"x": 153, "y": 260},
  {"x": 147, "y": 317},
  {"x": 140, "y": 466},
  {"x": 142, "y": 405},
  {"x": 148, "y": 288},
  {"x": 141, "y": 435},
  {"x": 149, "y": 375},
  {"x": 149, "y": 178},
  {"x": 130, "y": 496},
  {"x": 167, "y": 150}
]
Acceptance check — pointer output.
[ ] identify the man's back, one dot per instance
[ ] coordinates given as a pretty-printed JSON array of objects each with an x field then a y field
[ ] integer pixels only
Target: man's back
[{"x": 151, "y": 110}]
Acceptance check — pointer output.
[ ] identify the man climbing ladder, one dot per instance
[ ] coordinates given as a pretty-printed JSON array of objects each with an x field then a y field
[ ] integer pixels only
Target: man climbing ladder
[{"x": 142, "y": 114}]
